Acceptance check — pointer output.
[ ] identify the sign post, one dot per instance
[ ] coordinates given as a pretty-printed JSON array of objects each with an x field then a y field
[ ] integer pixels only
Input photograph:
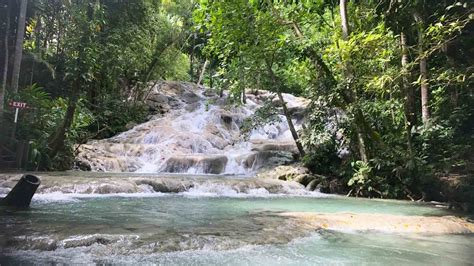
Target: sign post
[
  {"x": 16, "y": 115},
  {"x": 17, "y": 106}
]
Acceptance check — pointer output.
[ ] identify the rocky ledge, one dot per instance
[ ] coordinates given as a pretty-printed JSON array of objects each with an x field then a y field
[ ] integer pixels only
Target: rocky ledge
[
  {"x": 300, "y": 174},
  {"x": 383, "y": 223}
]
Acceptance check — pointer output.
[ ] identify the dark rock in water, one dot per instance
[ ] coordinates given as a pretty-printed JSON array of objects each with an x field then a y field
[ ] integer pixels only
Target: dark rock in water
[
  {"x": 192, "y": 107},
  {"x": 210, "y": 164},
  {"x": 312, "y": 185},
  {"x": 190, "y": 97},
  {"x": 323, "y": 187},
  {"x": 82, "y": 165},
  {"x": 20, "y": 196},
  {"x": 158, "y": 103}
]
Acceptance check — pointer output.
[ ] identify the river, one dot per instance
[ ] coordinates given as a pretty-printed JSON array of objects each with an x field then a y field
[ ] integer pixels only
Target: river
[{"x": 216, "y": 222}]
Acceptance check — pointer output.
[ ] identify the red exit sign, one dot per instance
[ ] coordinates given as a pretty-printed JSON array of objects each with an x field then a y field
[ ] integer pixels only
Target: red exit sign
[{"x": 18, "y": 105}]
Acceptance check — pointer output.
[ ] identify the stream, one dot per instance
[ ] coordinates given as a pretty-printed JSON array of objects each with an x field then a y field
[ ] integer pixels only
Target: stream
[
  {"x": 213, "y": 224},
  {"x": 182, "y": 189}
]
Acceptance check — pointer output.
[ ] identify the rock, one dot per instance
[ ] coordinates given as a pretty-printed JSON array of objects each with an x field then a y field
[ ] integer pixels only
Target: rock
[
  {"x": 210, "y": 164},
  {"x": 165, "y": 186},
  {"x": 82, "y": 164},
  {"x": 178, "y": 125},
  {"x": 190, "y": 97},
  {"x": 303, "y": 176},
  {"x": 383, "y": 223},
  {"x": 457, "y": 190},
  {"x": 214, "y": 165},
  {"x": 130, "y": 125},
  {"x": 323, "y": 187},
  {"x": 209, "y": 93},
  {"x": 312, "y": 184},
  {"x": 267, "y": 159},
  {"x": 158, "y": 103},
  {"x": 275, "y": 146},
  {"x": 336, "y": 186},
  {"x": 192, "y": 107},
  {"x": 286, "y": 172}
]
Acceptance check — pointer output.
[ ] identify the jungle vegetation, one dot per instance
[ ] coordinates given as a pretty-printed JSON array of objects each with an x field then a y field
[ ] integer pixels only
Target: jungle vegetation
[{"x": 390, "y": 81}]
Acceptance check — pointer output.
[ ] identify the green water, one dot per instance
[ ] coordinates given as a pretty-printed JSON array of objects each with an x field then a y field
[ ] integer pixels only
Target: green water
[{"x": 197, "y": 230}]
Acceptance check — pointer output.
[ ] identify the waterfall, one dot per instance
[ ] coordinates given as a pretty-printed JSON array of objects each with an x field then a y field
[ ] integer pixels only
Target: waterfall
[{"x": 193, "y": 130}]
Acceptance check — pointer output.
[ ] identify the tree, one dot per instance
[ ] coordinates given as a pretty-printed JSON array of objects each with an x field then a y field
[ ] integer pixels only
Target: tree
[
  {"x": 425, "y": 112},
  {"x": 257, "y": 50},
  {"x": 20, "y": 33},
  {"x": 5, "y": 63}
]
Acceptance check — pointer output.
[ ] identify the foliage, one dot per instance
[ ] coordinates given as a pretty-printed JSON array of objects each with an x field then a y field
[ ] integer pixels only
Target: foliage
[
  {"x": 363, "y": 124},
  {"x": 359, "y": 89},
  {"x": 97, "y": 57},
  {"x": 39, "y": 122}
]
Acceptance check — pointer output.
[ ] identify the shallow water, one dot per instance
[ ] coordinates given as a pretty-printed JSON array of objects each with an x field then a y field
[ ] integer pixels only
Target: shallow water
[{"x": 198, "y": 229}]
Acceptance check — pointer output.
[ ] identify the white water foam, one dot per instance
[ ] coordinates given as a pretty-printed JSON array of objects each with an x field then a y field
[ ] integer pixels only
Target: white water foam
[
  {"x": 199, "y": 191},
  {"x": 191, "y": 140},
  {"x": 73, "y": 197}
]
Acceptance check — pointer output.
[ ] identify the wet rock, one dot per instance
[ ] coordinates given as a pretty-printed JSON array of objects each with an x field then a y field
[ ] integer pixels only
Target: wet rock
[
  {"x": 122, "y": 187},
  {"x": 166, "y": 186},
  {"x": 209, "y": 164},
  {"x": 384, "y": 223},
  {"x": 192, "y": 107},
  {"x": 297, "y": 112},
  {"x": 158, "y": 103},
  {"x": 209, "y": 93},
  {"x": 323, "y": 186},
  {"x": 261, "y": 159},
  {"x": 82, "y": 165},
  {"x": 178, "y": 126},
  {"x": 44, "y": 243},
  {"x": 312, "y": 184},
  {"x": 85, "y": 241},
  {"x": 303, "y": 176},
  {"x": 275, "y": 146},
  {"x": 190, "y": 97},
  {"x": 286, "y": 172}
]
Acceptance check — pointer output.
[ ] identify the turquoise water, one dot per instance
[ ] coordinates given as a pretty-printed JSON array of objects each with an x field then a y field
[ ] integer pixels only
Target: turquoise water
[{"x": 197, "y": 230}]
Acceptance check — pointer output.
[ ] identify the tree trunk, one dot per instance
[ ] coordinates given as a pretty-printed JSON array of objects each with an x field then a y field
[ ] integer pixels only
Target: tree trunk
[
  {"x": 191, "y": 68},
  {"x": 410, "y": 117},
  {"x": 243, "y": 97},
  {"x": 344, "y": 23},
  {"x": 359, "y": 119},
  {"x": 20, "y": 33},
  {"x": 203, "y": 71},
  {"x": 5, "y": 65},
  {"x": 286, "y": 113},
  {"x": 290, "y": 125},
  {"x": 408, "y": 90},
  {"x": 425, "y": 112},
  {"x": 56, "y": 141}
]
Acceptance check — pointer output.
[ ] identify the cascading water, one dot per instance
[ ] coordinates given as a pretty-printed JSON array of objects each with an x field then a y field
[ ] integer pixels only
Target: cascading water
[{"x": 195, "y": 131}]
